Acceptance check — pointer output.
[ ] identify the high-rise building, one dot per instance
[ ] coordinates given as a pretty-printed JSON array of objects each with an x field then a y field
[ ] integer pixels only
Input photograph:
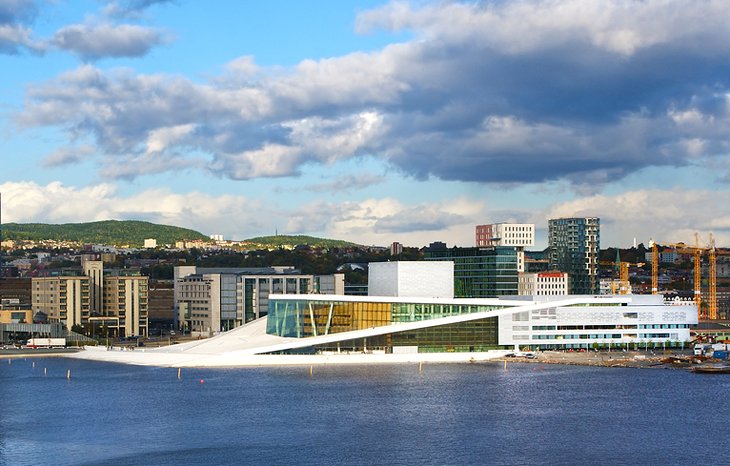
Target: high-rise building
[
  {"x": 479, "y": 272},
  {"x": 573, "y": 246},
  {"x": 518, "y": 235},
  {"x": 125, "y": 302}
]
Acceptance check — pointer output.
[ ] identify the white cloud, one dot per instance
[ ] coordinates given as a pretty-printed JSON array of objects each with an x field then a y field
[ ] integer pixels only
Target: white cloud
[
  {"x": 161, "y": 138},
  {"x": 587, "y": 92},
  {"x": 672, "y": 215},
  {"x": 92, "y": 42},
  {"x": 669, "y": 216}
]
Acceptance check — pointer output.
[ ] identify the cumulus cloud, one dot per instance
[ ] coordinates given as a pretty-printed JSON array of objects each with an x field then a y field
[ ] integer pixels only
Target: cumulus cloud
[
  {"x": 15, "y": 36},
  {"x": 347, "y": 183},
  {"x": 667, "y": 216},
  {"x": 68, "y": 155},
  {"x": 492, "y": 92},
  {"x": 26, "y": 202},
  {"x": 92, "y": 42},
  {"x": 371, "y": 221},
  {"x": 671, "y": 215},
  {"x": 382, "y": 221}
]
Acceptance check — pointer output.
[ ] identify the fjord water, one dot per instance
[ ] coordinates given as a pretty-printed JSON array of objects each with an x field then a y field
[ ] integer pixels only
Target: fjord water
[{"x": 442, "y": 414}]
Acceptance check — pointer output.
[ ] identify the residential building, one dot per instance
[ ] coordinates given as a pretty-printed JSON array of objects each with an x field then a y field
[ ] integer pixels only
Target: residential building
[
  {"x": 543, "y": 284},
  {"x": 119, "y": 297},
  {"x": 215, "y": 299},
  {"x": 573, "y": 245},
  {"x": 63, "y": 299},
  {"x": 519, "y": 235},
  {"x": 479, "y": 272},
  {"x": 95, "y": 271},
  {"x": 125, "y": 303},
  {"x": 665, "y": 257},
  {"x": 396, "y": 249}
]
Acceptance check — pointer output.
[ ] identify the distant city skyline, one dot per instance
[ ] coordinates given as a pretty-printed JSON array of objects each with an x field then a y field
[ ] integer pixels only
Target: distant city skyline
[{"x": 369, "y": 121}]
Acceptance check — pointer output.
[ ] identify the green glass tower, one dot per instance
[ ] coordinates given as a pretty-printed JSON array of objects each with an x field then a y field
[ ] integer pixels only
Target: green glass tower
[{"x": 479, "y": 272}]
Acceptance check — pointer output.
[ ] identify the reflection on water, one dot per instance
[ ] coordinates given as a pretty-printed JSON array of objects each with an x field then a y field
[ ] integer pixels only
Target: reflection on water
[{"x": 445, "y": 414}]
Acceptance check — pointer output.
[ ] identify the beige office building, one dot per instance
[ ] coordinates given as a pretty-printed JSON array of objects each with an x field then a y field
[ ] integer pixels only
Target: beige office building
[
  {"x": 113, "y": 301},
  {"x": 63, "y": 299},
  {"x": 126, "y": 301}
]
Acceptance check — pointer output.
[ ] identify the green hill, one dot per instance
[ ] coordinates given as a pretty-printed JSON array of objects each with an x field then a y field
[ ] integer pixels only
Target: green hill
[
  {"x": 111, "y": 232},
  {"x": 266, "y": 242}
]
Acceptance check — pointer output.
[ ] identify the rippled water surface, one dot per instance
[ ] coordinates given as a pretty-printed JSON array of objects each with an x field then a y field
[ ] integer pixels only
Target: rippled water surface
[{"x": 444, "y": 414}]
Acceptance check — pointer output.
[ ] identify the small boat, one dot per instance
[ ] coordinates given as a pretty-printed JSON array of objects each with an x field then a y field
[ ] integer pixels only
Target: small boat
[{"x": 724, "y": 369}]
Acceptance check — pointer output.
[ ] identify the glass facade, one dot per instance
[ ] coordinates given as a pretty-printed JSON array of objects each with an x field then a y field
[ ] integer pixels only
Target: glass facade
[
  {"x": 485, "y": 272},
  {"x": 305, "y": 318}
]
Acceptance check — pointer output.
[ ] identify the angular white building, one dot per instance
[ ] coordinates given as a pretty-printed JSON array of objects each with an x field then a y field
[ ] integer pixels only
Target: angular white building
[{"x": 643, "y": 320}]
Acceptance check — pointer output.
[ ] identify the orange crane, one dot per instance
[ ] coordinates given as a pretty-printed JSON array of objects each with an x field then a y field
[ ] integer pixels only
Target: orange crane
[
  {"x": 624, "y": 285},
  {"x": 697, "y": 252},
  {"x": 713, "y": 279},
  {"x": 681, "y": 248}
]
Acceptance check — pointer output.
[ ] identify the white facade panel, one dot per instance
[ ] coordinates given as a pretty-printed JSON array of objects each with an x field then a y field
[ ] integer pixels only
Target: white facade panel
[
  {"x": 415, "y": 279},
  {"x": 648, "y": 319}
]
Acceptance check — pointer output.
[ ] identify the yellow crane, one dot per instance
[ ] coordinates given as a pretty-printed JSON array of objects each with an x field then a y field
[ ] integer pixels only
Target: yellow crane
[
  {"x": 696, "y": 252},
  {"x": 624, "y": 286}
]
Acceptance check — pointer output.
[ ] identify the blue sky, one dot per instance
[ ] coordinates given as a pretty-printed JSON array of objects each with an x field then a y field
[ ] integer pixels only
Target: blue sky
[{"x": 368, "y": 121}]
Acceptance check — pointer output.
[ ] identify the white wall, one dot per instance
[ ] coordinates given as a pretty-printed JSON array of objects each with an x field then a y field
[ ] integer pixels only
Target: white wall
[{"x": 416, "y": 279}]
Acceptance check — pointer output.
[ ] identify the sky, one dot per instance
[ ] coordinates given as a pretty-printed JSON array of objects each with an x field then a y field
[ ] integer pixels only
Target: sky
[{"x": 369, "y": 121}]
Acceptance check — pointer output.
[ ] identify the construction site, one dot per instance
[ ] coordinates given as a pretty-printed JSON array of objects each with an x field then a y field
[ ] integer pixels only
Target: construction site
[{"x": 700, "y": 271}]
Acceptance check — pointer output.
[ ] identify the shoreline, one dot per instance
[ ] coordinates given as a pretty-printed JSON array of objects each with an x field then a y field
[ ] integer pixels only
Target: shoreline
[{"x": 631, "y": 359}]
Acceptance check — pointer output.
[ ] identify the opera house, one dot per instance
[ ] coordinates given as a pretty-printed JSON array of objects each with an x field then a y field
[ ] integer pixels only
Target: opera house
[{"x": 402, "y": 327}]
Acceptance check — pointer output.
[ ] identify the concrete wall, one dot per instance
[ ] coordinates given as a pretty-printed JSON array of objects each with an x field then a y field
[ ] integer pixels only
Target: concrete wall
[{"x": 417, "y": 279}]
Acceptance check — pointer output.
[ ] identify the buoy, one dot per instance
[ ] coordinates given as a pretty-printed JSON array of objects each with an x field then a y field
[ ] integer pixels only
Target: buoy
[
  {"x": 420, "y": 366},
  {"x": 505, "y": 364},
  {"x": 33, "y": 365},
  {"x": 202, "y": 381},
  {"x": 45, "y": 370},
  {"x": 68, "y": 375},
  {"x": 311, "y": 370},
  {"x": 178, "y": 373}
]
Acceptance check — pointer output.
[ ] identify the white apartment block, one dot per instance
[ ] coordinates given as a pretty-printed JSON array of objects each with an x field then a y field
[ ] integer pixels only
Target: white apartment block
[{"x": 543, "y": 284}]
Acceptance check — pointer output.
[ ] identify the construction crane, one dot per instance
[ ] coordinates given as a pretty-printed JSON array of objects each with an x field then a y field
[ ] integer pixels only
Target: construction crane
[
  {"x": 713, "y": 279},
  {"x": 624, "y": 286},
  {"x": 681, "y": 248},
  {"x": 696, "y": 251}
]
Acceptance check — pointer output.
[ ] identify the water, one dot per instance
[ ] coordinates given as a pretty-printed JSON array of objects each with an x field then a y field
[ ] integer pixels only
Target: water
[{"x": 446, "y": 414}]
